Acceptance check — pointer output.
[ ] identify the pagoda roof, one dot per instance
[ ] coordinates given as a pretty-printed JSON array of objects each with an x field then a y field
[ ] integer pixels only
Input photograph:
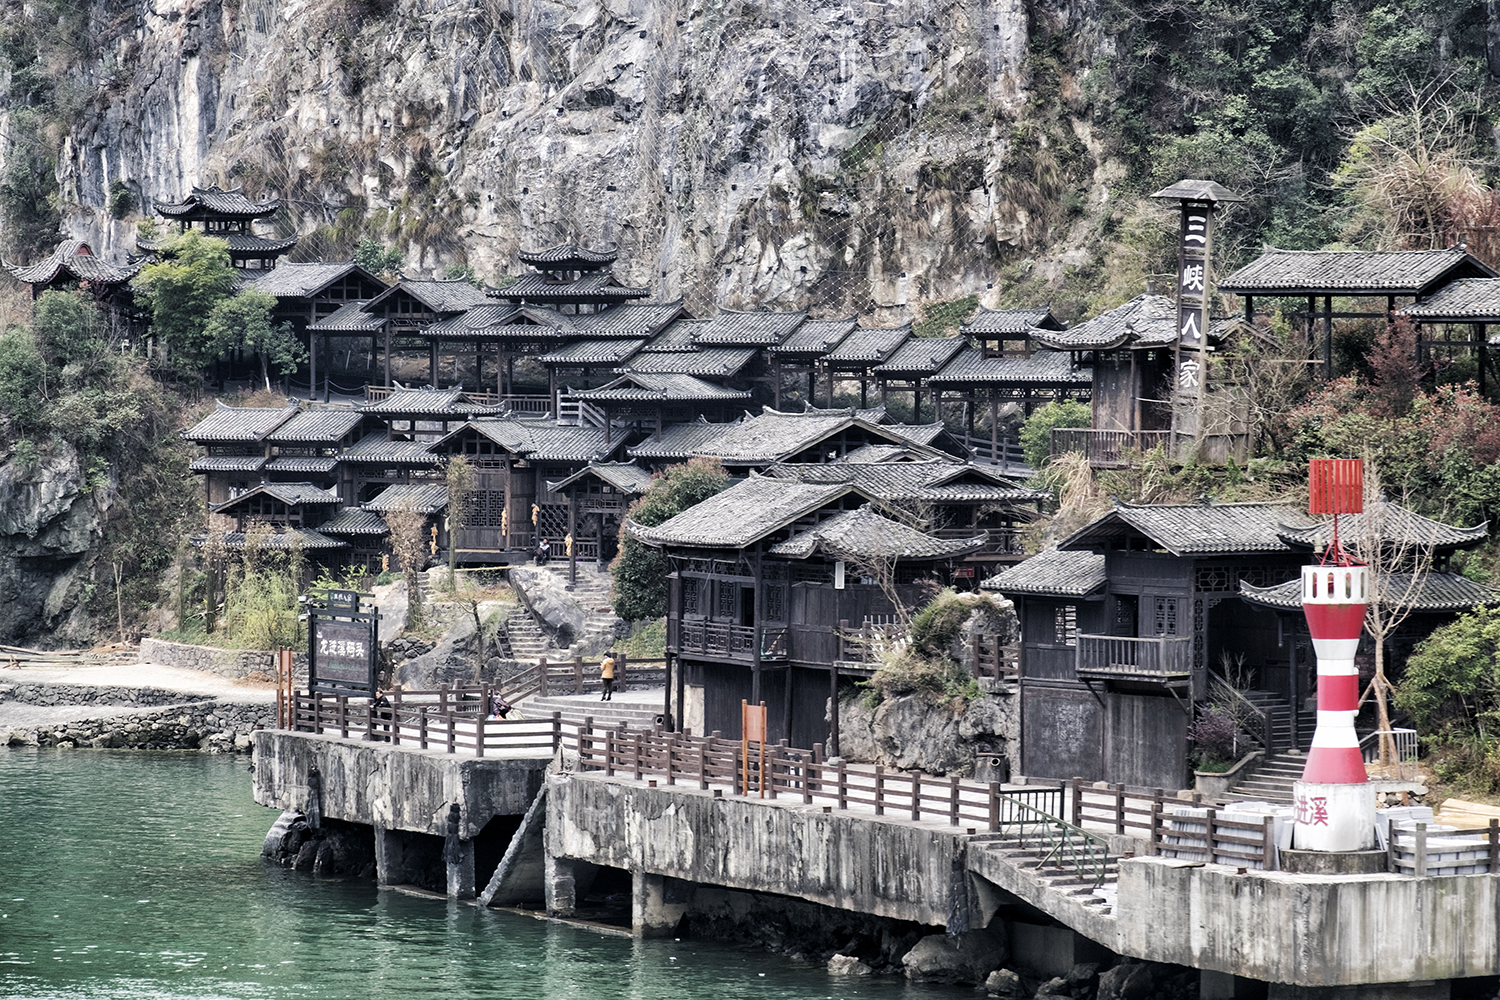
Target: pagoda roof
[
  {"x": 931, "y": 479},
  {"x": 1353, "y": 272},
  {"x": 679, "y": 441},
  {"x": 740, "y": 515},
  {"x": 375, "y": 449},
  {"x": 1195, "y": 190},
  {"x": 350, "y": 317},
  {"x": 77, "y": 260},
  {"x": 1052, "y": 573},
  {"x": 816, "y": 337},
  {"x": 630, "y": 319},
  {"x": 229, "y": 463},
  {"x": 921, "y": 356},
  {"x": 283, "y": 540},
  {"x": 317, "y": 427},
  {"x": 540, "y": 440},
  {"x": 1393, "y": 524},
  {"x": 1044, "y": 368},
  {"x": 355, "y": 521},
  {"x": 868, "y": 345},
  {"x": 1466, "y": 300},
  {"x": 865, "y": 534},
  {"x": 504, "y": 322},
  {"x": 710, "y": 362},
  {"x": 246, "y": 424},
  {"x": 606, "y": 353},
  {"x": 597, "y": 286},
  {"x": 1196, "y": 529},
  {"x": 216, "y": 203},
  {"x": 291, "y": 494},
  {"x": 1433, "y": 593},
  {"x": 240, "y": 244},
  {"x": 627, "y": 477},
  {"x": 989, "y": 324},
  {"x": 774, "y": 436},
  {"x": 424, "y": 498},
  {"x": 732, "y": 328},
  {"x": 680, "y": 336},
  {"x": 303, "y": 465},
  {"x": 1146, "y": 321},
  {"x": 303, "y": 281},
  {"x": 570, "y": 257},
  {"x": 660, "y": 387}
]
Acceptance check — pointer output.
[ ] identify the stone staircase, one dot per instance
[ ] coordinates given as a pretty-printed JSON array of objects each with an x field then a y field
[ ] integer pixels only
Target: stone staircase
[
  {"x": 637, "y": 713},
  {"x": 1272, "y": 781},
  {"x": 525, "y": 638}
]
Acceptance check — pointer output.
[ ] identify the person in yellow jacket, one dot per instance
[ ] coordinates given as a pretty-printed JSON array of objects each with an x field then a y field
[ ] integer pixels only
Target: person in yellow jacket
[{"x": 607, "y": 674}]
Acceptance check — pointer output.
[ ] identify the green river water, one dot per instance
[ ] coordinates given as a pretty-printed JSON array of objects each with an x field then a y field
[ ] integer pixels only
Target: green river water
[{"x": 129, "y": 875}]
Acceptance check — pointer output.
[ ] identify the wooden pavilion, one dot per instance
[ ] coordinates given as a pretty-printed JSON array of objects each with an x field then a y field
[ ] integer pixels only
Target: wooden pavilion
[
  {"x": 1468, "y": 307},
  {"x": 227, "y": 215}
]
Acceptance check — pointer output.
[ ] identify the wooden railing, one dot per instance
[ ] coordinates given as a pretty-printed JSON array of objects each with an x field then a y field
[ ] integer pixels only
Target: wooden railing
[
  {"x": 451, "y": 719},
  {"x": 510, "y": 402},
  {"x": 995, "y": 660},
  {"x": 1424, "y": 852},
  {"x": 1149, "y": 815},
  {"x": 1166, "y": 658},
  {"x": 1106, "y": 448},
  {"x": 737, "y": 642}
]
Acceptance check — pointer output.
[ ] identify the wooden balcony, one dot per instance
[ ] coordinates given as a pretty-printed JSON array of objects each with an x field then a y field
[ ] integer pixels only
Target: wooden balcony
[
  {"x": 1165, "y": 660},
  {"x": 1107, "y": 449},
  {"x": 732, "y": 642}
]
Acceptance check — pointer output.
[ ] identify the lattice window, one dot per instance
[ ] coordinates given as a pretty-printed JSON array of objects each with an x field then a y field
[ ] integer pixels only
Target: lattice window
[
  {"x": 552, "y": 522},
  {"x": 690, "y": 590},
  {"x": 729, "y": 599},
  {"x": 486, "y": 509},
  {"x": 1198, "y": 644},
  {"x": 700, "y": 565},
  {"x": 1125, "y": 612},
  {"x": 1164, "y": 616},
  {"x": 815, "y": 575},
  {"x": 1227, "y": 579},
  {"x": 1065, "y": 625},
  {"x": 775, "y": 609}
]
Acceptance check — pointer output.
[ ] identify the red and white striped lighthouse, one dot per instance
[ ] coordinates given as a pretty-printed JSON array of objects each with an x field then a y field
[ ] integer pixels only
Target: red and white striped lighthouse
[{"x": 1335, "y": 807}]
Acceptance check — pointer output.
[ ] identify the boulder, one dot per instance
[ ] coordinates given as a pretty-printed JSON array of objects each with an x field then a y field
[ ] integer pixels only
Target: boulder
[
  {"x": 1127, "y": 981},
  {"x": 847, "y": 965},
  {"x": 965, "y": 958},
  {"x": 390, "y": 600},
  {"x": 1005, "y": 983}
]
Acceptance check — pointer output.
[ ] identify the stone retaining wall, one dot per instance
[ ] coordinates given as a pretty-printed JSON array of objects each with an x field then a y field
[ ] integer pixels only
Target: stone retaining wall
[
  {"x": 83, "y": 694},
  {"x": 213, "y": 660},
  {"x": 219, "y": 727}
]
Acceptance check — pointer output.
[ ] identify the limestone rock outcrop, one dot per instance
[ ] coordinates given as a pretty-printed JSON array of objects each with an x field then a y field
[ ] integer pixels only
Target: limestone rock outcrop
[{"x": 965, "y": 958}]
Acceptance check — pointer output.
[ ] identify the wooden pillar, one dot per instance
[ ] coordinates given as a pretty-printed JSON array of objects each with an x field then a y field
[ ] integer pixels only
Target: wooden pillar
[
  {"x": 776, "y": 382},
  {"x": 937, "y": 405},
  {"x": 312, "y": 353},
  {"x": 786, "y": 696},
  {"x": 1481, "y": 336},
  {"x": 994, "y": 427},
  {"x": 552, "y": 391},
  {"x": 755, "y": 618},
  {"x": 864, "y": 390},
  {"x": 1327, "y": 337},
  {"x": 510, "y": 374},
  {"x": 1249, "y": 309},
  {"x": 916, "y": 401},
  {"x": 1135, "y": 396},
  {"x": 432, "y": 362},
  {"x": 833, "y": 709},
  {"x": 829, "y": 373},
  {"x": 478, "y": 366},
  {"x": 969, "y": 413},
  {"x": 573, "y": 534},
  {"x": 812, "y": 384}
]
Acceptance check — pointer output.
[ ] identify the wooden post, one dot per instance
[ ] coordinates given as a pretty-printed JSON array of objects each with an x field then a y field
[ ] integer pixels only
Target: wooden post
[
  {"x": 422, "y": 726},
  {"x": 396, "y": 718},
  {"x": 1155, "y": 823},
  {"x": 1494, "y": 845},
  {"x": 585, "y": 739},
  {"x": 1119, "y": 809},
  {"x": 1208, "y": 832},
  {"x": 556, "y": 731},
  {"x": 1268, "y": 842},
  {"x": 452, "y": 735},
  {"x": 879, "y": 790},
  {"x": 1075, "y": 814},
  {"x": 994, "y": 806},
  {"x": 843, "y": 786},
  {"x": 1421, "y": 848},
  {"x": 578, "y": 674},
  {"x": 343, "y": 704},
  {"x": 703, "y": 765},
  {"x": 621, "y": 665},
  {"x": 635, "y": 755},
  {"x": 609, "y": 753},
  {"x": 775, "y": 757},
  {"x": 541, "y": 676},
  {"x": 479, "y": 735},
  {"x": 916, "y": 795},
  {"x": 952, "y": 800}
]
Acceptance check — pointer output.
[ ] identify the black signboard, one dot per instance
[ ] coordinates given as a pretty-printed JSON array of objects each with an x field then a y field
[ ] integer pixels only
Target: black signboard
[{"x": 341, "y": 638}]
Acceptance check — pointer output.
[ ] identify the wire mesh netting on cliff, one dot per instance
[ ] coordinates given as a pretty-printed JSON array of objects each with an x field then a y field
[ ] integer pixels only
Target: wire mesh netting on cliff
[{"x": 850, "y": 159}]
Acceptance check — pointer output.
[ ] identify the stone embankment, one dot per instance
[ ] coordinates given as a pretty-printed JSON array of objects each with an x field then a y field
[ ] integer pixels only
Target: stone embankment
[
  {"x": 235, "y": 663},
  {"x": 205, "y": 725}
]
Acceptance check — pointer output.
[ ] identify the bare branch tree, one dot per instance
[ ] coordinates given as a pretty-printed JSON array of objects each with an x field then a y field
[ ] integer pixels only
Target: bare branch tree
[
  {"x": 459, "y": 474},
  {"x": 409, "y": 545}
]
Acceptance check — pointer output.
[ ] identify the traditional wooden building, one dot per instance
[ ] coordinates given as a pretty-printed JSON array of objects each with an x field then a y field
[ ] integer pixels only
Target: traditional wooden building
[
  {"x": 1007, "y": 333},
  {"x": 598, "y": 496},
  {"x": 637, "y": 402},
  {"x": 75, "y": 265},
  {"x": 913, "y": 364},
  {"x": 409, "y": 307},
  {"x": 1463, "y": 311},
  {"x": 801, "y": 352},
  {"x": 572, "y": 279},
  {"x": 235, "y": 438},
  {"x": 284, "y": 506},
  {"x": 858, "y": 354},
  {"x": 227, "y": 215},
  {"x": 773, "y": 437},
  {"x": 762, "y": 574}
]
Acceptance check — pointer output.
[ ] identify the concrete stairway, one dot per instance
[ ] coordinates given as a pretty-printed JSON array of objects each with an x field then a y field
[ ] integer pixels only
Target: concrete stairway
[
  {"x": 636, "y": 709},
  {"x": 1064, "y": 881},
  {"x": 1272, "y": 781}
]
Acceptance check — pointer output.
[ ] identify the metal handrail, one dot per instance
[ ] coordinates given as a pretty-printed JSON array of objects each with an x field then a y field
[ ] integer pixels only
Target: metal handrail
[
  {"x": 1066, "y": 845},
  {"x": 1264, "y": 737},
  {"x": 1404, "y": 767}
]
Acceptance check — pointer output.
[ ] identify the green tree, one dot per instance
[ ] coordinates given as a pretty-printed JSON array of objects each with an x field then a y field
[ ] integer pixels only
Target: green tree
[
  {"x": 639, "y": 571},
  {"x": 182, "y": 289},
  {"x": 1453, "y": 676},
  {"x": 377, "y": 258},
  {"x": 30, "y": 223},
  {"x": 244, "y": 320},
  {"x": 1036, "y": 432},
  {"x": 23, "y": 381}
]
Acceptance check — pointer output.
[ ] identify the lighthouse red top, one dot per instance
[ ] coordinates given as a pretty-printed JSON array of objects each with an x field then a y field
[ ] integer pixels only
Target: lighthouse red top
[{"x": 1336, "y": 486}]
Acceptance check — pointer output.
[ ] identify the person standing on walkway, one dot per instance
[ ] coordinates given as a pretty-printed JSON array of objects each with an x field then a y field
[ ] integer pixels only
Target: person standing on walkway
[{"x": 607, "y": 675}]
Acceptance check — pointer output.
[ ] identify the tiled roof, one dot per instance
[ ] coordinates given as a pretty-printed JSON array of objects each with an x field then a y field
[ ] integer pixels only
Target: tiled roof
[
  {"x": 595, "y": 287},
  {"x": 1194, "y": 190},
  {"x": 304, "y": 538},
  {"x": 355, "y": 521},
  {"x": 303, "y": 464},
  {"x": 626, "y": 477},
  {"x": 374, "y": 449},
  {"x": 912, "y": 481},
  {"x": 679, "y": 336},
  {"x": 425, "y": 498},
  {"x": 241, "y": 244},
  {"x": 816, "y": 336},
  {"x": 1393, "y": 523},
  {"x": 660, "y": 387},
  {"x": 1052, "y": 572},
  {"x": 77, "y": 259},
  {"x": 320, "y": 426},
  {"x": 629, "y": 319},
  {"x": 593, "y": 352},
  {"x": 492, "y": 322},
  {"x": 217, "y": 201},
  {"x": 872, "y": 454},
  {"x": 291, "y": 494},
  {"x": 772, "y": 435},
  {"x": 921, "y": 356},
  {"x": 1466, "y": 299},
  {"x": 1144, "y": 321},
  {"x": 863, "y": 533},
  {"x": 714, "y": 362},
  {"x": 450, "y": 404},
  {"x": 993, "y": 323},
  {"x": 731, "y": 328},
  {"x": 286, "y": 281},
  {"x": 1184, "y": 529},
  {"x": 542, "y": 440},
  {"x": 742, "y": 514},
  {"x": 679, "y": 441},
  {"x": 348, "y": 318},
  {"x": 1052, "y": 368},
  {"x": 868, "y": 345},
  {"x": 1368, "y": 272},
  {"x": 229, "y": 463},
  {"x": 1437, "y": 592},
  {"x": 239, "y": 423},
  {"x": 570, "y": 257},
  {"x": 918, "y": 433},
  {"x": 439, "y": 296}
]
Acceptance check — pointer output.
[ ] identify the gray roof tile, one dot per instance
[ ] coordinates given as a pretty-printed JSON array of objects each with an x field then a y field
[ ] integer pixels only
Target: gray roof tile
[
  {"x": 862, "y": 533},
  {"x": 599, "y": 285},
  {"x": 593, "y": 352},
  {"x": 76, "y": 258},
  {"x": 305, "y": 280},
  {"x": 679, "y": 441},
  {"x": 993, "y": 323},
  {"x": 1046, "y": 368},
  {"x": 1369, "y": 272},
  {"x": 630, "y": 319},
  {"x": 303, "y": 465},
  {"x": 816, "y": 336},
  {"x": 425, "y": 498},
  {"x": 1184, "y": 529},
  {"x": 1465, "y": 300},
  {"x": 249, "y": 424},
  {"x": 713, "y": 362},
  {"x": 283, "y": 541},
  {"x": 217, "y": 201},
  {"x": 679, "y": 336},
  {"x": 645, "y": 387},
  {"x": 348, "y": 318},
  {"x": 742, "y": 514},
  {"x": 570, "y": 256},
  {"x": 1393, "y": 523},
  {"x": 749, "y": 329},
  {"x": 317, "y": 426},
  {"x": 921, "y": 356},
  {"x": 291, "y": 494},
  {"x": 626, "y": 477},
  {"x": 229, "y": 463},
  {"x": 1145, "y": 321},
  {"x": 439, "y": 296},
  {"x": 914, "y": 481},
  {"x": 1437, "y": 592},
  {"x": 355, "y": 521},
  {"x": 440, "y": 404},
  {"x": 542, "y": 440},
  {"x": 868, "y": 345},
  {"x": 374, "y": 449},
  {"x": 1052, "y": 572}
]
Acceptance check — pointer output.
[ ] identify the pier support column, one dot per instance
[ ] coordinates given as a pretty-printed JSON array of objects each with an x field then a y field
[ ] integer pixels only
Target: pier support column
[
  {"x": 390, "y": 851},
  {"x": 461, "y": 872},
  {"x": 657, "y": 904},
  {"x": 559, "y": 887}
]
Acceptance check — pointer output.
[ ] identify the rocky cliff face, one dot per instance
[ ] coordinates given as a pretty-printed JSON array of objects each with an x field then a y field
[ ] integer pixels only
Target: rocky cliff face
[
  {"x": 843, "y": 156},
  {"x": 50, "y": 528}
]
